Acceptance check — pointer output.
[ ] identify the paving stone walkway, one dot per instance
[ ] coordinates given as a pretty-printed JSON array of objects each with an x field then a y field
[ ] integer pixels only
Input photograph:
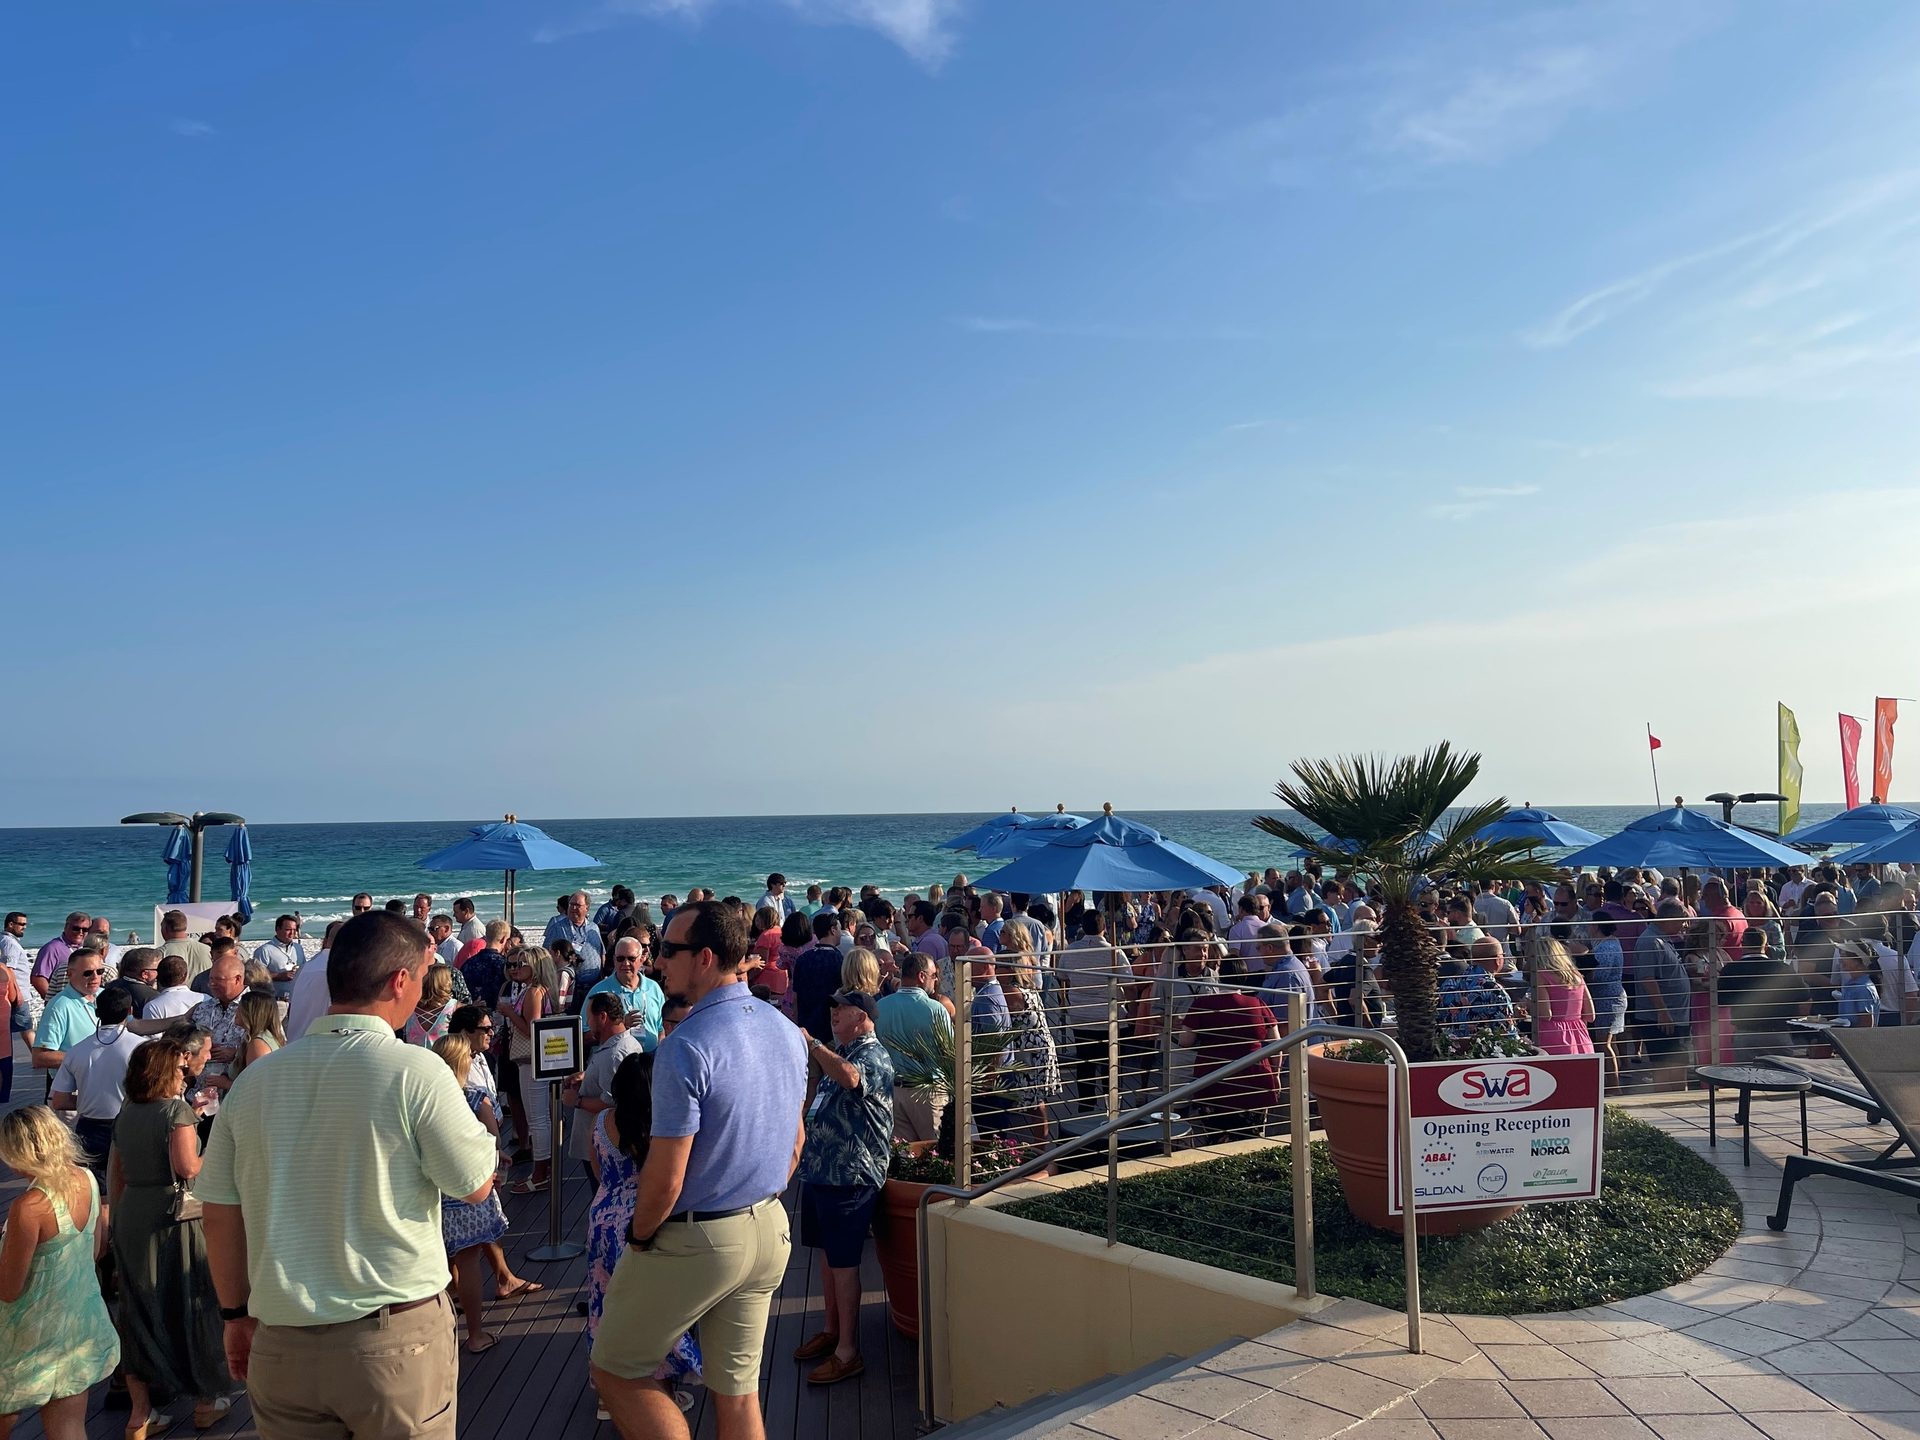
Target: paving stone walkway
[{"x": 1811, "y": 1334}]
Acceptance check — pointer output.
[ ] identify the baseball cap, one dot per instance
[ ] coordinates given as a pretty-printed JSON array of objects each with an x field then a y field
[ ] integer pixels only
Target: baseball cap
[{"x": 860, "y": 1000}]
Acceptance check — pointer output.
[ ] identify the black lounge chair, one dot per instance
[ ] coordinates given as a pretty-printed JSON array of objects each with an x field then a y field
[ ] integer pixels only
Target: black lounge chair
[
  {"x": 1887, "y": 1064},
  {"x": 1831, "y": 1080}
]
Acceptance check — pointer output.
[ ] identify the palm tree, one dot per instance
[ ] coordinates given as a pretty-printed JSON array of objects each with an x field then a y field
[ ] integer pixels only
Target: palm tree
[{"x": 1379, "y": 816}]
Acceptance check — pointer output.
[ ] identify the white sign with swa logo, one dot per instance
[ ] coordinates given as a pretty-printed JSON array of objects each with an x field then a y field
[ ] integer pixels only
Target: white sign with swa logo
[
  {"x": 1506, "y": 1130},
  {"x": 1498, "y": 1085}
]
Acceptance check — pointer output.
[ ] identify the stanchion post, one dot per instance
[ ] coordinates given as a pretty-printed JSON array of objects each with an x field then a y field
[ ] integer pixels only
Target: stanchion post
[
  {"x": 963, "y": 1077},
  {"x": 555, "y": 1248}
]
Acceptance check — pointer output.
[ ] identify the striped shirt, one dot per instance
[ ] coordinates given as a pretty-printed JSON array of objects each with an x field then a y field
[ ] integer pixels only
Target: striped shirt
[{"x": 337, "y": 1155}]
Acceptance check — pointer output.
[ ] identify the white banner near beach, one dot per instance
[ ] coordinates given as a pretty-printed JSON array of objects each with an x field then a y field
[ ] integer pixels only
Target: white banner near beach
[{"x": 200, "y": 916}]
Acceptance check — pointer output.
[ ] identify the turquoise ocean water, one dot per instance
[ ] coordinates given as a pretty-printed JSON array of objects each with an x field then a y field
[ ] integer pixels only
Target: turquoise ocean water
[{"x": 315, "y": 869}]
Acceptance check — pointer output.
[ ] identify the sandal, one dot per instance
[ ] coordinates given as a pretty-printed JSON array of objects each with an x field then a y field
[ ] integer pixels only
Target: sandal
[
  {"x": 521, "y": 1286},
  {"x": 206, "y": 1416},
  {"x": 487, "y": 1342},
  {"x": 527, "y": 1187}
]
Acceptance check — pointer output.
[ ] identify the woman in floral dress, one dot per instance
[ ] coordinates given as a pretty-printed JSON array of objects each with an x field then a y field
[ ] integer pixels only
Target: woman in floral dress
[
  {"x": 468, "y": 1229},
  {"x": 619, "y": 1150}
]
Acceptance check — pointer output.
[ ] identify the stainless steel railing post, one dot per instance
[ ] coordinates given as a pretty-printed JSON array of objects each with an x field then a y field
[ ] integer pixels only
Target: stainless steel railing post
[
  {"x": 1410, "y": 1226},
  {"x": 1300, "y": 1137},
  {"x": 1166, "y": 1054},
  {"x": 963, "y": 1076},
  {"x": 1113, "y": 1109}
]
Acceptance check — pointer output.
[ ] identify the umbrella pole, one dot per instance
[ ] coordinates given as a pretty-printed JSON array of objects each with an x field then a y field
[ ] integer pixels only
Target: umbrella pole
[{"x": 508, "y": 898}]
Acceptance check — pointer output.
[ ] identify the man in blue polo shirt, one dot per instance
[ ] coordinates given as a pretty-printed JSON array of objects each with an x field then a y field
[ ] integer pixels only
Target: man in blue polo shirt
[{"x": 708, "y": 1242}]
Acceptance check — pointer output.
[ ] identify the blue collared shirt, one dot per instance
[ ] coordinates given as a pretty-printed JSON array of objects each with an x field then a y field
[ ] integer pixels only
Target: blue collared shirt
[
  {"x": 733, "y": 1075},
  {"x": 646, "y": 1000},
  {"x": 585, "y": 936},
  {"x": 67, "y": 1020}
]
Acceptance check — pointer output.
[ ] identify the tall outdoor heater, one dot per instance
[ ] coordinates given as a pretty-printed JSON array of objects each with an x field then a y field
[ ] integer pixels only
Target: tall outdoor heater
[{"x": 197, "y": 825}]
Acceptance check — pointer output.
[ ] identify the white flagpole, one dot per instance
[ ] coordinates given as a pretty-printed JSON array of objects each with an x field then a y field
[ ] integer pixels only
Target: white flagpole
[{"x": 1655, "y": 765}]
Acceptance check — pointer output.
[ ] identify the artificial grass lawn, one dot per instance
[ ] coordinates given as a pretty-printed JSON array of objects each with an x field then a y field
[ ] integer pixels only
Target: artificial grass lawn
[{"x": 1663, "y": 1214}]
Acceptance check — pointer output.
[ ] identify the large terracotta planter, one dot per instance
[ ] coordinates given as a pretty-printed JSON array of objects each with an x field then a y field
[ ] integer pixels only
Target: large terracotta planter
[
  {"x": 1352, "y": 1096},
  {"x": 896, "y": 1241}
]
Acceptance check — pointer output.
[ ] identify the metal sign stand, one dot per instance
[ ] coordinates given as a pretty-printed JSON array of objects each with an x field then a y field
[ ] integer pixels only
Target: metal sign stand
[{"x": 557, "y": 1053}]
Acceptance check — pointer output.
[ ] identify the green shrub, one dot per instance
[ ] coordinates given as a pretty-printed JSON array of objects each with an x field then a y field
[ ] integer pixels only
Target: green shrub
[{"x": 1663, "y": 1214}]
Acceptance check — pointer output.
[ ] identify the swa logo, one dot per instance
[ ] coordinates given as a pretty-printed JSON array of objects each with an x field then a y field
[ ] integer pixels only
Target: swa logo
[{"x": 1497, "y": 1087}]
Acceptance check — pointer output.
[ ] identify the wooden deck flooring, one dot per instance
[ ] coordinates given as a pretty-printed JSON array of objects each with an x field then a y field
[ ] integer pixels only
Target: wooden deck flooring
[{"x": 534, "y": 1382}]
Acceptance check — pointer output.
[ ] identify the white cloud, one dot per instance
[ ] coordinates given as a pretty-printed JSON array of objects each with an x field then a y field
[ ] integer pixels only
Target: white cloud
[
  {"x": 1471, "y": 500},
  {"x": 190, "y": 129},
  {"x": 1458, "y": 95},
  {"x": 1803, "y": 371},
  {"x": 925, "y": 29},
  {"x": 1747, "y": 260}
]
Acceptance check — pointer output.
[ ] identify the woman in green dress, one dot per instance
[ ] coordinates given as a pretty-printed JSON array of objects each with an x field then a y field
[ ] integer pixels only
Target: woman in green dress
[
  {"x": 55, "y": 1336},
  {"x": 169, "y": 1318}
]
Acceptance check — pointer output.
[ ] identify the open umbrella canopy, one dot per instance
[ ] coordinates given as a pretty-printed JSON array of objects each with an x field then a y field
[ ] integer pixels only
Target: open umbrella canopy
[
  {"x": 179, "y": 857},
  {"x": 508, "y": 845},
  {"x": 1862, "y": 825},
  {"x": 987, "y": 830},
  {"x": 1110, "y": 853},
  {"x": 240, "y": 859},
  {"x": 1542, "y": 827},
  {"x": 1902, "y": 845},
  {"x": 1677, "y": 837}
]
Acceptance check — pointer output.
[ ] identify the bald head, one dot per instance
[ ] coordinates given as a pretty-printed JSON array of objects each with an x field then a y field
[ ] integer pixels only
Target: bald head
[{"x": 227, "y": 978}]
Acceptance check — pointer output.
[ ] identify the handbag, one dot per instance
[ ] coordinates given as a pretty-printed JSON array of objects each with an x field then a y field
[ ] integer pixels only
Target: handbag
[{"x": 183, "y": 1205}]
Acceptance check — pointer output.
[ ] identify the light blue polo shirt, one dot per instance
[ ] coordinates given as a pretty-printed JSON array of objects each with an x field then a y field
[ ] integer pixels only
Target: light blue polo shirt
[
  {"x": 646, "y": 1000},
  {"x": 67, "y": 1020},
  {"x": 734, "y": 1076}
]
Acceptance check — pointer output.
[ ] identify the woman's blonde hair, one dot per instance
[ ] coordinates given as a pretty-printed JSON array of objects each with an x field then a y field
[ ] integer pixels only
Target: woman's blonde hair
[
  {"x": 1552, "y": 959},
  {"x": 1014, "y": 940},
  {"x": 258, "y": 1014},
  {"x": 457, "y": 1051},
  {"x": 860, "y": 971},
  {"x": 1020, "y": 967},
  {"x": 436, "y": 987},
  {"x": 35, "y": 1144},
  {"x": 540, "y": 963}
]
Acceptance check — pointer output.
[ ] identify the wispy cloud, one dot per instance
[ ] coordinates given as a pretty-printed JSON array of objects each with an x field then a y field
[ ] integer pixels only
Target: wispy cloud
[
  {"x": 1805, "y": 371},
  {"x": 1022, "y": 325},
  {"x": 1471, "y": 500},
  {"x": 1747, "y": 256},
  {"x": 1459, "y": 96},
  {"x": 925, "y": 29},
  {"x": 190, "y": 129}
]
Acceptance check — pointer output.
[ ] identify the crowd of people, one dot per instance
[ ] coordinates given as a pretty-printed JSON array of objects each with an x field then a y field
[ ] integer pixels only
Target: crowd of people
[{"x": 240, "y": 1178}]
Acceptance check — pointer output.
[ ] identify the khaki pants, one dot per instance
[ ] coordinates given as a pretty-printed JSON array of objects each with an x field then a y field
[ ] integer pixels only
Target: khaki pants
[
  {"x": 383, "y": 1377},
  {"x": 718, "y": 1274},
  {"x": 916, "y": 1112}
]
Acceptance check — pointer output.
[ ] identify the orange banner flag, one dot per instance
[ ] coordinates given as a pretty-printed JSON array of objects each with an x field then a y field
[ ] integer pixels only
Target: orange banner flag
[{"x": 1885, "y": 712}]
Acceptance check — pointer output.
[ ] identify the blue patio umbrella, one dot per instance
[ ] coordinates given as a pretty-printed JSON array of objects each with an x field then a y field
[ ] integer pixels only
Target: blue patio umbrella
[
  {"x": 1676, "y": 838},
  {"x": 1902, "y": 845},
  {"x": 988, "y": 829},
  {"x": 179, "y": 858},
  {"x": 1862, "y": 825},
  {"x": 240, "y": 858},
  {"x": 1541, "y": 827},
  {"x": 1110, "y": 854},
  {"x": 509, "y": 846}
]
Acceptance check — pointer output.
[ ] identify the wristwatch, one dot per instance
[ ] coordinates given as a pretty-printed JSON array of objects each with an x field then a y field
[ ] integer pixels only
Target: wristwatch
[{"x": 234, "y": 1312}]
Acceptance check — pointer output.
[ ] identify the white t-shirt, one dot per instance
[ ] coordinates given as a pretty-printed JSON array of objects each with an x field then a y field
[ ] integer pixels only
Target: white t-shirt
[
  {"x": 447, "y": 949},
  {"x": 171, "y": 1003},
  {"x": 95, "y": 1071},
  {"x": 310, "y": 999},
  {"x": 473, "y": 930}
]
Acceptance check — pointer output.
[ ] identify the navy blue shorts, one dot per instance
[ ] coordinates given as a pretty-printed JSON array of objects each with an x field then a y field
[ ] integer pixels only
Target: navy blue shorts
[{"x": 836, "y": 1219}]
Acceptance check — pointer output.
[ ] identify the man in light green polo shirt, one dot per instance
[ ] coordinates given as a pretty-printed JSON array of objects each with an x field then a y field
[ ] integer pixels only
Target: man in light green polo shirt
[{"x": 321, "y": 1187}]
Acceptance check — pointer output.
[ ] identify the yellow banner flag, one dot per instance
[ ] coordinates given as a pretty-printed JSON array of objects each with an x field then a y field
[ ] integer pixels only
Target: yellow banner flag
[{"x": 1789, "y": 771}]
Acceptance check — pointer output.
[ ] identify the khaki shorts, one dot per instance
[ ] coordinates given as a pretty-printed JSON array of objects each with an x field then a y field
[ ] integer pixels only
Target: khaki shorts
[
  {"x": 384, "y": 1377},
  {"x": 718, "y": 1274}
]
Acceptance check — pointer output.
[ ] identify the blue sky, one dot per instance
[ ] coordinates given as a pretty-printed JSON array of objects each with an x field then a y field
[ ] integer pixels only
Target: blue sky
[{"x": 709, "y": 406}]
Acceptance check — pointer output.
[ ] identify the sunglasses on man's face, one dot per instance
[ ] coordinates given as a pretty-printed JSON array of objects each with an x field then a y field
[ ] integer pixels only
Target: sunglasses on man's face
[{"x": 90, "y": 974}]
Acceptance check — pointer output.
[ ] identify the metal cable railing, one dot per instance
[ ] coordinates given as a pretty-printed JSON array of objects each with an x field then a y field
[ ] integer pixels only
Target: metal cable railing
[{"x": 1154, "y": 1111}]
